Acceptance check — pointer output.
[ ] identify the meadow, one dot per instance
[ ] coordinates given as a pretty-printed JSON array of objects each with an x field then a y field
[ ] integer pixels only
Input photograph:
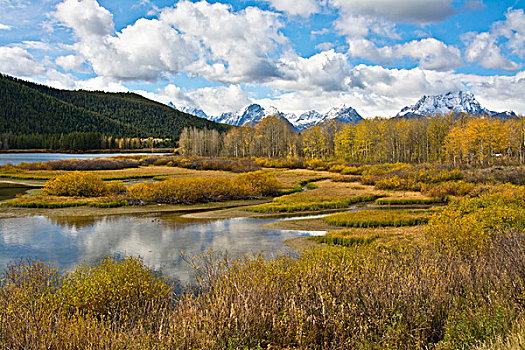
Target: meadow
[{"x": 386, "y": 276}]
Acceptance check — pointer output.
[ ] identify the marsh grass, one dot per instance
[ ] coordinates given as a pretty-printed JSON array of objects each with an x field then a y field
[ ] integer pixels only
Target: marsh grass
[
  {"x": 380, "y": 218},
  {"x": 345, "y": 240},
  {"x": 300, "y": 203},
  {"x": 391, "y": 237},
  {"x": 54, "y": 202},
  {"x": 410, "y": 201},
  {"x": 353, "y": 297},
  {"x": 326, "y": 195}
]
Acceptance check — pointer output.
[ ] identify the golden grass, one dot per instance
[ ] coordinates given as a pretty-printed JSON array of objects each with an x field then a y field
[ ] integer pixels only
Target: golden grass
[
  {"x": 376, "y": 236},
  {"x": 52, "y": 202},
  {"x": 380, "y": 218},
  {"x": 326, "y": 195}
]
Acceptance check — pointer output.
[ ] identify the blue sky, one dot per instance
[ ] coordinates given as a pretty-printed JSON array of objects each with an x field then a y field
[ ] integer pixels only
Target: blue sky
[{"x": 296, "y": 55}]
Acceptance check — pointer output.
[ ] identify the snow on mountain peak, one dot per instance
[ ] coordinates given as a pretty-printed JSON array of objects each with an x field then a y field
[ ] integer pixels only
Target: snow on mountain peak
[
  {"x": 455, "y": 102},
  {"x": 254, "y": 113}
]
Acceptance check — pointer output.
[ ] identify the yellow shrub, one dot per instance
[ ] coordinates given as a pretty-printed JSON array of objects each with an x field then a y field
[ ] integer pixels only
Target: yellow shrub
[
  {"x": 116, "y": 187},
  {"x": 76, "y": 184},
  {"x": 204, "y": 189},
  {"x": 114, "y": 288},
  {"x": 257, "y": 183},
  {"x": 471, "y": 223}
]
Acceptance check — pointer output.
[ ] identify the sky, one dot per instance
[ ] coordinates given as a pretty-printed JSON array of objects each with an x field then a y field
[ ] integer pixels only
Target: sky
[{"x": 297, "y": 55}]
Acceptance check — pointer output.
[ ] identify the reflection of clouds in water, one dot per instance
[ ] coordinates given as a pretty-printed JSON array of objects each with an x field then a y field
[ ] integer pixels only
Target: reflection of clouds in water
[{"x": 158, "y": 242}]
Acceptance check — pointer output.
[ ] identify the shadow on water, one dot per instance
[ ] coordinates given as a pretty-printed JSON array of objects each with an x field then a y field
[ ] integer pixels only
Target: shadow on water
[{"x": 9, "y": 190}]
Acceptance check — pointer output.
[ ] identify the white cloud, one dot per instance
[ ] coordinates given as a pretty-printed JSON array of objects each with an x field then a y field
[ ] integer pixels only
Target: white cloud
[
  {"x": 208, "y": 40},
  {"x": 513, "y": 29},
  {"x": 71, "y": 63},
  {"x": 101, "y": 84},
  {"x": 86, "y": 17},
  {"x": 360, "y": 26},
  {"x": 486, "y": 48},
  {"x": 326, "y": 71},
  {"x": 237, "y": 46},
  {"x": 4, "y": 27},
  {"x": 302, "y": 8},
  {"x": 429, "y": 53},
  {"x": 19, "y": 62},
  {"x": 399, "y": 11},
  {"x": 483, "y": 49},
  {"x": 213, "y": 100}
]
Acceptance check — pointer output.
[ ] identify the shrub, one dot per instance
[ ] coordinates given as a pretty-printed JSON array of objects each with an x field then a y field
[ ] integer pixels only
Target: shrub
[
  {"x": 203, "y": 189},
  {"x": 471, "y": 223},
  {"x": 114, "y": 288},
  {"x": 76, "y": 184},
  {"x": 257, "y": 183},
  {"x": 448, "y": 188},
  {"x": 116, "y": 187}
]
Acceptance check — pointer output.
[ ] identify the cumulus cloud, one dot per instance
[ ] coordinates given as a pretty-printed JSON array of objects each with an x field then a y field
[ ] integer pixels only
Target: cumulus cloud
[
  {"x": 4, "y": 27},
  {"x": 399, "y": 11},
  {"x": 302, "y": 8},
  {"x": 86, "y": 17},
  {"x": 203, "y": 39},
  {"x": 237, "y": 46},
  {"x": 71, "y": 63},
  {"x": 430, "y": 53},
  {"x": 19, "y": 62},
  {"x": 213, "y": 100},
  {"x": 326, "y": 71},
  {"x": 485, "y": 48}
]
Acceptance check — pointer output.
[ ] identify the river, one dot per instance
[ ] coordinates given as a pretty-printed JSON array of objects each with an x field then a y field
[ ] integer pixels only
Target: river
[
  {"x": 159, "y": 240},
  {"x": 17, "y": 158}
]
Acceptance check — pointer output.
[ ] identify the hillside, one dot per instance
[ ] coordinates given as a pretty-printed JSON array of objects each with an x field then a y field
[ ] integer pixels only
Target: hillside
[{"x": 28, "y": 108}]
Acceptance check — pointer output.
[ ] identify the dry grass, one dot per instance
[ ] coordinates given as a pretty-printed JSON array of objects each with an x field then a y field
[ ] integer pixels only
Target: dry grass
[
  {"x": 326, "y": 195},
  {"x": 376, "y": 236},
  {"x": 380, "y": 218}
]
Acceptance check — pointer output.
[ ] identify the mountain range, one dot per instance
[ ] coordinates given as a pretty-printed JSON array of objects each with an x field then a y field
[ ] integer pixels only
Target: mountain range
[
  {"x": 451, "y": 102},
  {"x": 252, "y": 114}
]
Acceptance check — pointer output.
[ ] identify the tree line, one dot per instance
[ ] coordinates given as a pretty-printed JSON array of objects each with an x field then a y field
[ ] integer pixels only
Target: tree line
[
  {"x": 460, "y": 140},
  {"x": 78, "y": 141}
]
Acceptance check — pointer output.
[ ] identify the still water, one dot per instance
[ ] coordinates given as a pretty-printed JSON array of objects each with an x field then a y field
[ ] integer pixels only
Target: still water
[
  {"x": 17, "y": 158},
  {"x": 159, "y": 240}
]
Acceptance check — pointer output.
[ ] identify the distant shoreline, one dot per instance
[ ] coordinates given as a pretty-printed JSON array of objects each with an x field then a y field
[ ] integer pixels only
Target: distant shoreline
[{"x": 101, "y": 151}]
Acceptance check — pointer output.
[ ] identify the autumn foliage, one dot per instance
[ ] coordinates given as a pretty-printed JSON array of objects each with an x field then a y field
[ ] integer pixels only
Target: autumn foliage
[
  {"x": 76, "y": 184},
  {"x": 193, "y": 190}
]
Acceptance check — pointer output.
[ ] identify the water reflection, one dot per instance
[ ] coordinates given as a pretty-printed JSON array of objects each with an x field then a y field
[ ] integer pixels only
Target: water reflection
[{"x": 66, "y": 242}]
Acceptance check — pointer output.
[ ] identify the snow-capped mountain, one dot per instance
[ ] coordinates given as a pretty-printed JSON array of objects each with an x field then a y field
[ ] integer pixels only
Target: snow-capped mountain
[
  {"x": 254, "y": 113},
  {"x": 250, "y": 114},
  {"x": 455, "y": 102},
  {"x": 305, "y": 120},
  {"x": 343, "y": 114},
  {"x": 190, "y": 110}
]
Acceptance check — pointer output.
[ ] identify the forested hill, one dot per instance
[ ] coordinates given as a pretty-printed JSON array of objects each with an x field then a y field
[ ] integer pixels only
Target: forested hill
[{"x": 28, "y": 108}]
